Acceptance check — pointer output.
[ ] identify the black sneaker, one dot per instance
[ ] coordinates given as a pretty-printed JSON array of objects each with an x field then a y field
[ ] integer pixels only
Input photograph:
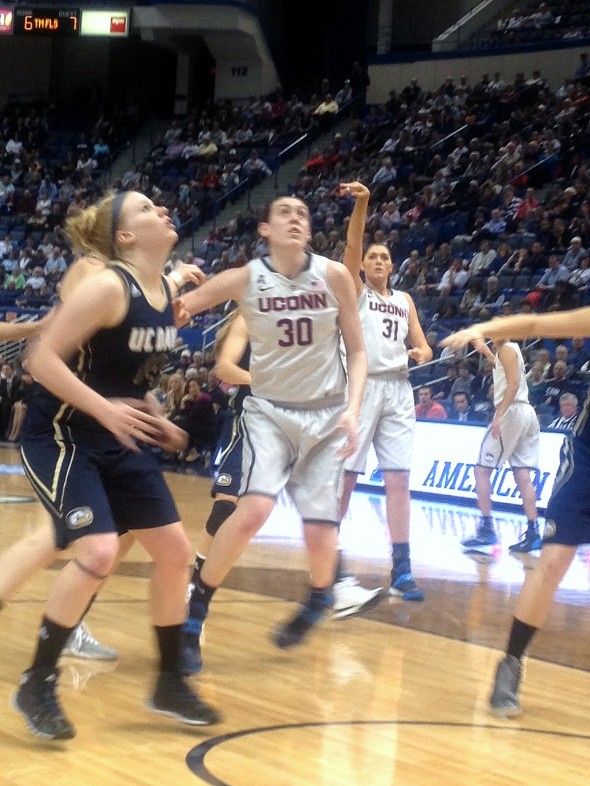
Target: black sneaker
[
  {"x": 36, "y": 701},
  {"x": 191, "y": 660},
  {"x": 173, "y": 697},
  {"x": 291, "y": 633},
  {"x": 530, "y": 541}
]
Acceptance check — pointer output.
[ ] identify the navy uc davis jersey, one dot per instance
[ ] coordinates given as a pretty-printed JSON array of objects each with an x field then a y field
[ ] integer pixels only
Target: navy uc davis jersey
[
  {"x": 120, "y": 362},
  {"x": 294, "y": 334},
  {"x": 385, "y": 324}
]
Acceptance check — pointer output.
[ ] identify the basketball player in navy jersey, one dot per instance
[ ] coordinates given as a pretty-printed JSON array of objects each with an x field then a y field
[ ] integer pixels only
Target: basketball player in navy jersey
[
  {"x": 298, "y": 428},
  {"x": 83, "y": 450},
  {"x": 37, "y": 550},
  {"x": 567, "y": 518},
  {"x": 390, "y": 324}
]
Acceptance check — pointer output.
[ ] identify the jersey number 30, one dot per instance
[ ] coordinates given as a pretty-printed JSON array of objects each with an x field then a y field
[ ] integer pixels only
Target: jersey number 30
[{"x": 297, "y": 332}]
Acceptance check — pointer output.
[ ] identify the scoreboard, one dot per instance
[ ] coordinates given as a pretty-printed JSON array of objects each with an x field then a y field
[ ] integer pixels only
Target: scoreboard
[
  {"x": 56, "y": 21},
  {"x": 46, "y": 21}
]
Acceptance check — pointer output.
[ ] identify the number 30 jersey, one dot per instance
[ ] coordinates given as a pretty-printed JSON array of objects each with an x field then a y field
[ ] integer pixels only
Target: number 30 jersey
[
  {"x": 294, "y": 335},
  {"x": 385, "y": 323}
]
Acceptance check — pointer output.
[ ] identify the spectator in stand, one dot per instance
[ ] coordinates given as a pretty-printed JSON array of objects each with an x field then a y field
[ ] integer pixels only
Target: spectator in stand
[
  {"x": 14, "y": 281},
  {"x": 255, "y": 168},
  {"x": 383, "y": 178},
  {"x": 578, "y": 357},
  {"x": 517, "y": 262},
  {"x": 427, "y": 408},
  {"x": 527, "y": 206},
  {"x": 464, "y": 382},
  {"x": 482, "y": 259},
  {"x": 574, "y": 253},
  {"x": 10, "y": 392},
  {"x": 326, "y": 111},
  {"x": 454, "y": 279},
  {"x": 494, "y": 227},
  {"x": 207, "y": 149},
  {"x": 55, "y": 263},
  {"x": 537, "y": 384},
  {"x": 344, "y": 95},
  {"x": 568, "y": 413},
  {"x": 461, "y": 409},
  {"x": 555, "y": 272},
  {"x": 490, "y": 300},
  {"x": 86, "y": 164},
  {"x": 470, "y": 296},
  {"x": 557, "y": 385}
]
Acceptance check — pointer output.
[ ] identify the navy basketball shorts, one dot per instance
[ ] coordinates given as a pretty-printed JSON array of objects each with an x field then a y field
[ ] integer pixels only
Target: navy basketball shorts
[
  {"x": 567, "y": 518},
  {"x": 93, "y": 485},
  {"x": 229, "y": 475}
]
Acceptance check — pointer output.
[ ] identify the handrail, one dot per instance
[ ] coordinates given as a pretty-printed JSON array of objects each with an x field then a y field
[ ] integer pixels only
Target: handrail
[{"x": 449, "y": 136}]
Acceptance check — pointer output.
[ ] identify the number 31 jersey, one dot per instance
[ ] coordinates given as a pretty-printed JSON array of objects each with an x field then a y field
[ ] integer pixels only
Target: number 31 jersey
[
  {"x": 294, "y": 334},
  {"x": 385, "y": 323}
]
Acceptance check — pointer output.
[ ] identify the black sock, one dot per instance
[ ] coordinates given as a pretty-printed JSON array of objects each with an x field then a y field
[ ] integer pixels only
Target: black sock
[
  {"x": 198, "y": 567},
  {"x": 487, "y": 523},
  {"x": 401, "y": 558},
  {"x": 533, "y": 526},
  {"x": 198, "y": 606},
  {"x": 169, "y": 646},
  {"x": 52, "y": 639},
  {"x": 520, "y": 637}
]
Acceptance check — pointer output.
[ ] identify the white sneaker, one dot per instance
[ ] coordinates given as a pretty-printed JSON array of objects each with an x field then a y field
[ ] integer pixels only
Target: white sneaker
[
  {"x": 82, "y": 644},
  {"x": 351, "y": 598}
]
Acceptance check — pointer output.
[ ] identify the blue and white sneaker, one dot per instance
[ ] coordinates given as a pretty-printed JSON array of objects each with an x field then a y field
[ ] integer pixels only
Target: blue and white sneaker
[
  {"x": 482, "y": 542},
  {"x": 531, "y": 540},
  {"x": 403, "y": 586}
]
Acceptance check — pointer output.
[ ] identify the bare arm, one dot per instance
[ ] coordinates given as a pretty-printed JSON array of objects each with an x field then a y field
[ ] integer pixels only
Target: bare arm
[
  {"x": 574, "y": 324},
  {"x": 356, "y": 357},
  {"x": 230, "y": 354},
  {"x": 420, "y": 350},
  {"x": 16, "y": 331},
  {"x": 228, "y": 285},
  {"x": 353, "y": 253}
]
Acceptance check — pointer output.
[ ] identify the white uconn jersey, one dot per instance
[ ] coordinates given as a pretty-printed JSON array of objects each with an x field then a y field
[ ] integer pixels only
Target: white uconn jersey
[
  {"x": 385, "y": 323},
  {"x": 294, "y": 335},
  {"x": 522, "y": 394}
]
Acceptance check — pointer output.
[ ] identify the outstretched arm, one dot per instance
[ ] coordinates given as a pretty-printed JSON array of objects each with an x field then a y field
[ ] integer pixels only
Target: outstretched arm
[
  {"x": 228, "y": 285},
  {"x": 573, "y": 324},
  {"x": 353, "y": 254}
]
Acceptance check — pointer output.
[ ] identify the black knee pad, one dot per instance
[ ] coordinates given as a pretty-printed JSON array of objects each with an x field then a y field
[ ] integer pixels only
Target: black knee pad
[{"x": 221, "y": 510}]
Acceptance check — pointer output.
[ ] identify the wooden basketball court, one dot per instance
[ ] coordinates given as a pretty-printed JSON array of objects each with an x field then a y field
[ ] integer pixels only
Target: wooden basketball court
[{"x": 395, "y": 698}]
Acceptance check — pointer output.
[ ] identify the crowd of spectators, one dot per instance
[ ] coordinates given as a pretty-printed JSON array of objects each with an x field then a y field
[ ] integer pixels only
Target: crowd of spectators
[
  {"x": 535, "y": 23},
  {"x": 480, "y": 191}
]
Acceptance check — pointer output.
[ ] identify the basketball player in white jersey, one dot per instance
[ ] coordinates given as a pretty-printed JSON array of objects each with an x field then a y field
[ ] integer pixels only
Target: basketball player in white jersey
[
  {"x": 390, "y": 323},
  {"x": 512, "y": 436},
  {"x": 298, "y": 424}
]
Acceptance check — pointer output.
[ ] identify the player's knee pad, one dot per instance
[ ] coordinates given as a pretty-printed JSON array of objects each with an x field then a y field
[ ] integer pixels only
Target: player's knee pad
[{"x": 221, "y": 510}]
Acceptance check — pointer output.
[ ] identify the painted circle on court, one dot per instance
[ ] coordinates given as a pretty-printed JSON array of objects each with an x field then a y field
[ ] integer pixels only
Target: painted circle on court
[{"x": 362, "y": 752}]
